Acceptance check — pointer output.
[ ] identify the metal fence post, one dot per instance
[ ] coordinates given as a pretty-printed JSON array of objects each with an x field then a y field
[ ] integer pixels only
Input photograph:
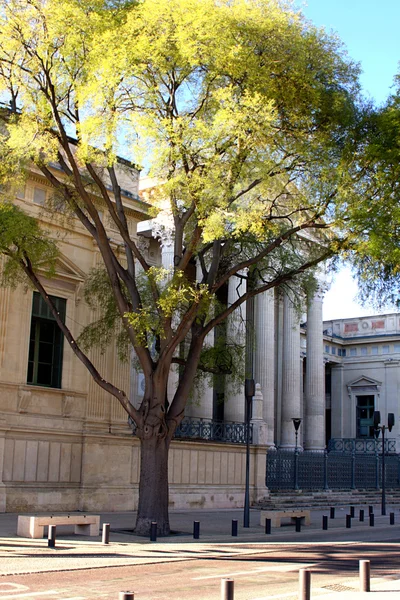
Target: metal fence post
[
  {"x": 365, "y": 576},
  {"x": 304, "y": 584},
  {"x": 353, "y": 469},
  {"x": 326, "y": 469},
  {"x": 126, "y": 596},
  {"x": 227, "y": 589}
]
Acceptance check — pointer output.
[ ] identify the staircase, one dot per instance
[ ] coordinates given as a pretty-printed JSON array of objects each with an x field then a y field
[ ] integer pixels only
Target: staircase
[{"x": 322, "y": 499}]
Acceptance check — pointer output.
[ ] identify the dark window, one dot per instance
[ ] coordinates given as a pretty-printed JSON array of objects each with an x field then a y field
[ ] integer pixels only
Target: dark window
[
  {"x": 365, "y": 416},
  {"x": 45, "y": 343}
]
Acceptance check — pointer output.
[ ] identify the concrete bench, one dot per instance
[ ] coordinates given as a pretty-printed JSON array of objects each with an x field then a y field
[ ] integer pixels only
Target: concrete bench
[
  {"x": 33, "y": 526},
  {"x": 277, "y": 515}
]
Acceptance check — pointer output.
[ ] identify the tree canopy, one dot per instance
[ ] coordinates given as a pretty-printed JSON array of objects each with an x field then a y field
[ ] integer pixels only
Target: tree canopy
[{"x": 242, "y": 112}]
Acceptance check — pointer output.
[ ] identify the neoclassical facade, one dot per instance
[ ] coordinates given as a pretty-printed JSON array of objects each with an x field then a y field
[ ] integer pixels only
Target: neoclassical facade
[{"x": 65, "y": 444}]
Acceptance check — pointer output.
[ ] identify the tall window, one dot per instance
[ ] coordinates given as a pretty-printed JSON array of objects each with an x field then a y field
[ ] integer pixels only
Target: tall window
[
  {"x": 45, "y": 343},
  {"x": 365, "y": 416}
]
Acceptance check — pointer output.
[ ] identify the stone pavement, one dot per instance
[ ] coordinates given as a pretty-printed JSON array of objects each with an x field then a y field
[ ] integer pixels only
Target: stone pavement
[{"x": 21, "y": 555}]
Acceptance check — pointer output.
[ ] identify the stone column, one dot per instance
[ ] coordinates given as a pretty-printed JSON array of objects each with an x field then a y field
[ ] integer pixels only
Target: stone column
[
  {"x": 290, "y": 373},
  {"x": 260, "y": 427},
  {"x": 264, "y": 363},
  {"x": 314, "y": 405},
  {"x": 234, "y": 409},
  {"x": 203, "y": 397},
  {"x": 167, "y": 262}
]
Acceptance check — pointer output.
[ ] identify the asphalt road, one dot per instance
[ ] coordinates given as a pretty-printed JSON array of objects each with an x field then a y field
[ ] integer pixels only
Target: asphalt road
[{"x": 261, "y": 572}]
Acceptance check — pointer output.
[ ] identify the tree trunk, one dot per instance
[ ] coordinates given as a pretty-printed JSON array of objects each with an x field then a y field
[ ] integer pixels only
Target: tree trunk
[{"x": 153, "y": 486}]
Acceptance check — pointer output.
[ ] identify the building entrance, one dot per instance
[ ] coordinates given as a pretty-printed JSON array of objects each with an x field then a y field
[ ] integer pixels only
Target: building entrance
[{"x": 365, "y": 416}]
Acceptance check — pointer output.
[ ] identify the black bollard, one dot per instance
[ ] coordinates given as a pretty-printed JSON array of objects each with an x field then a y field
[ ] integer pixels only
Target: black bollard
[
  {"x": 106, "y": 533},
  {"x": 126, "y": 596},
  {"x": 268, "y": 526},
  {"x": 370, "y": 510},
  {"x": 371, "y": 520},
  {"x": 234, "y": 527},
  {"x": 298, "y": 524},
  {"x": 51, "y": 538},
  {"x": 153, "y": 531},
  {"x": 352, "y": 512},
  {"x": 196, "y": 530},
  {"x": 332, "y": 512},
  {"x": 361, "y": 517},
  {"x": 365, "y": 576},
  {"x": 348, "y": 521},
  {"x": 227, "y": 589},
  {"x": 324, "y": 522},
  {"x": 391, "y": 517},
  {"x": 304, "y": 584}
]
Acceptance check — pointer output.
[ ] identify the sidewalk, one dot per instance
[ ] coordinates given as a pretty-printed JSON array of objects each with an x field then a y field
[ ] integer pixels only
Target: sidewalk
[{"x": 22, "y": 555}]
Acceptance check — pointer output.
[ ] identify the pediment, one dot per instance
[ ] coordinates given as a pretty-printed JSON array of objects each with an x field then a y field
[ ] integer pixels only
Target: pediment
[
  {"x": 364, "y": 381},
  {"x": 66, "y": 269}
]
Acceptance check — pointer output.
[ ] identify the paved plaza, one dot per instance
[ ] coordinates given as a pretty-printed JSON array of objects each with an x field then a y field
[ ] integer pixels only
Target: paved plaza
[{"x": 333, "y": 553}]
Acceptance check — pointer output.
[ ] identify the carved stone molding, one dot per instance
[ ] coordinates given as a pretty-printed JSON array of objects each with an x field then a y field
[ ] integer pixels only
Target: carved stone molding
[{"x": 24, "y": 399}]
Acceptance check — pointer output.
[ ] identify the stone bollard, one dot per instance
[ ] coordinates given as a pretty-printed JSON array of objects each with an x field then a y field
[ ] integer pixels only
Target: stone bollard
[
  {"x": 105, "y": 539},
  {"x": 227, "y": 589},
  {"x": 365, "y": 576},
  {"x": 304, "y": 584}
]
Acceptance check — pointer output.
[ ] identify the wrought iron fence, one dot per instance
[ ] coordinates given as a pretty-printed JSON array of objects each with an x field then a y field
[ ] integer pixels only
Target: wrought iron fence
[
  {"x": 348, "y": 445},
  {"x": 210, "y": 430},
  {"x": 322, "y": 470}
]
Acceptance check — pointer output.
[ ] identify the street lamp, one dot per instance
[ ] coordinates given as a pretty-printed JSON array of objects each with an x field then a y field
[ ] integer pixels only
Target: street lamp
[
  {"x": 249, "y": 391},
  {"x": 296, "y": 424},
  {"x": 377, "y": 429}
]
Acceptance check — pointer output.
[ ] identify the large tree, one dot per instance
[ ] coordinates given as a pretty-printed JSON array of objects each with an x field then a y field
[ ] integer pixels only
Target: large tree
[
  {"x": 371, "y": 216},
  {"x": 242, "y": 112}
]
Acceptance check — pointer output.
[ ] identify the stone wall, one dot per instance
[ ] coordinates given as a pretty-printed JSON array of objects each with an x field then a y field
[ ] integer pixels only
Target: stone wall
[{"x": 100, "y": 471}]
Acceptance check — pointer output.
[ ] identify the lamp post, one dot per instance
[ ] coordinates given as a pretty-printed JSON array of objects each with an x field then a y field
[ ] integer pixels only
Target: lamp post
[
  {"x": 249, "y": 391},
  {"x": 377, "y": 429},
  {"x": 296, "y": 424}
]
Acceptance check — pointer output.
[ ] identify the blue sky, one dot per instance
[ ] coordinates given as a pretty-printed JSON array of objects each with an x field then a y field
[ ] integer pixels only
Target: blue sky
[{"x": 370, "y": 31}]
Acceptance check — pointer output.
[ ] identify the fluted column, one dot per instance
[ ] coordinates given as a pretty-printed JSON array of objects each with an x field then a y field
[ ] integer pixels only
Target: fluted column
[
  {"x": 264, "y": 363},
  {"x": 314, "y": 405},
  {"x": 290, "y": 373},
  {"x": 167, "y": 261},
  {"x": 234, "y": 409},
  {"x": 203, "y": 396}
]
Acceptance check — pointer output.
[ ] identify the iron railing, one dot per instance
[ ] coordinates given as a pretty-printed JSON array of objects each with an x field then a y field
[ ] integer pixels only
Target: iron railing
[
  {"x": 209, "y": 430},
  {"x": 361, "y": 446},
  {"x": 322, "y": 470}
]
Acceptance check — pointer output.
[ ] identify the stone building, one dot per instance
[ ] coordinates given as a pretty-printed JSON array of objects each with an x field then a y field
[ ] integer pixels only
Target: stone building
[{"x": 65, "y": 444}]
